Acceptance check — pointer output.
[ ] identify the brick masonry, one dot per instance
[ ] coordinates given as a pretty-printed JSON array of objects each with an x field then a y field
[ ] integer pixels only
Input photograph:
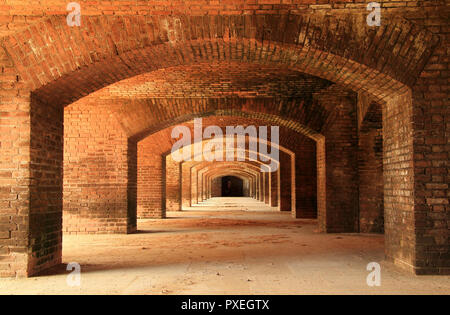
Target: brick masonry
[{"x": 46, "y": 66}]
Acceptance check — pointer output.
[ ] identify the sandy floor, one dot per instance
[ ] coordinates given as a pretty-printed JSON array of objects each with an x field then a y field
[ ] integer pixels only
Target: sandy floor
[{"x": 226, "y": 253}]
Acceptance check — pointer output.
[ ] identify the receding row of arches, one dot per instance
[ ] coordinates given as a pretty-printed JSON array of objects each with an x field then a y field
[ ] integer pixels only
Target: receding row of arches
[{"x": 96, "y": 137}]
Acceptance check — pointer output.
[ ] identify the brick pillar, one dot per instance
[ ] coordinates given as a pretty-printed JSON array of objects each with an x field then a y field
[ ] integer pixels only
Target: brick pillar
[
  {"x": 261, "y": 187},
  {"x": 132, "y": 186},
  {"x": 99, "y": 171},
  {"x": 216, "y": 187},
  {"x": 185, "y": 185},
  {"x": 267, "y": 188},
  {"x": 321, "y": 185},
  {"x": 431, "y": 117},
  {"x": 341, "y": 171},
  {"x": 204, "y": 187},
  {"x": 31, "y": 175},
  {"x": 151, "y": 184},
  {"x": 46, "y": 186},
  {"x": 398, "y": 163},
  {"x": 194, "y": 186},
  {"x": 14, "y": 173},
  {"x": 199, "y": 187},
  {"x": 306, "y": 180},
  {"x": 274, "y": 189},
  {"x": 370, "y": 166},
  {"x": 286, "y": 192},
  {"x": 173, "y": 184}
]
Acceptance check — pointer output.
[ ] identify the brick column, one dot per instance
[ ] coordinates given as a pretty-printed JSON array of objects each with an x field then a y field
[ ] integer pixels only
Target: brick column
[
  {"x": 151, "y": 184},
  {"x": 216, "y": 187},
  {"x": 306, "y": 180},
  {"x": 370, "y": 166},
  {"x": 14, "y": 173},
  {"x": 286, "y": 193},
  {"x": 31, "y": 139},
  {"x": 274, "y": 189},
  {"x": 398, "y": 165},
  {"x": 173, "y": 184},
  {"x": 46, "y": 186},
  {"x": 194, "y": 186},
  {"x": 341, "y": 172},
  {"x": 267, "y": 188},
  {"x": 431, "y": 114},
  {"x": 185, "y": 185},
  {"x": 99, "y": 171}
]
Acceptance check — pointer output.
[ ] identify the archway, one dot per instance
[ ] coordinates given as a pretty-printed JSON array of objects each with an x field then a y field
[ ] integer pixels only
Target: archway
[
  {"x": 309, "y": 48},
  {"x": 232, "y": 186}
]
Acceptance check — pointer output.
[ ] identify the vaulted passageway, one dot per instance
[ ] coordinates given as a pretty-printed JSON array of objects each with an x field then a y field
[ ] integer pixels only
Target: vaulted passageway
[{"x": 94, "y": 118}]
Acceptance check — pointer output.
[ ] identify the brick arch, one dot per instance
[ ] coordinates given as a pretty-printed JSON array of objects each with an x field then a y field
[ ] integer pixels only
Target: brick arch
[
  {"x": 50, "y": 56},
  {"x": 285, "y": 154},
  {"x": 48, "y": 62},
  {"x": 160, "y": 143},
  {"x": 246, "y": 180},
  {"x": 270, "y": 185},
  {"x": 251, "y": 181},
  {"x": 274, "y": 196},
  {"x": 223, "y": 170},
  {"x": 256, "y": 181},
  {"x": 189, "y": 171},
  {"x": 287, "y": 131},
  {"x": 243, "y": 110}
]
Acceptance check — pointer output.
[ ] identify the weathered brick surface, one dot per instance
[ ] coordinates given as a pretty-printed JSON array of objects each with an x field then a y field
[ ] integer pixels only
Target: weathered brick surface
[
  {"x": 46, "y": 175},
  {"x": 398, "y": 172},
  {"x": 150, "y": 186},
  {"x": 216, "y": 187},
  {"x": 173, "y": 184},
  {"x": 214, "y": 59},
  {"x": 14, "y": 172},
  {"x": 96, "y": 170},
  {"x": 248, "y": 171},
  {"x": 341, "y": 172},
  {"x": 370, "y": 164},
  {"x": 304, "y": 37},
  {"x": 306, "y": 179},
  {"x": 431, "y": 116}
]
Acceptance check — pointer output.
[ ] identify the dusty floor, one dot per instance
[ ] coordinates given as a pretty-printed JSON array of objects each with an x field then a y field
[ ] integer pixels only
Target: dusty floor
[
  {"x": 231, "y": 204},
  {"x": 233, "y": 252}
]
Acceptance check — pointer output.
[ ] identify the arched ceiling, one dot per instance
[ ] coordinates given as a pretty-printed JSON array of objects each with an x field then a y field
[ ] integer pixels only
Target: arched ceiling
[
  {"x": 161, "y": 142},
  {"x": 217, "y": 79},
  {"x": 78, "y": 61}
]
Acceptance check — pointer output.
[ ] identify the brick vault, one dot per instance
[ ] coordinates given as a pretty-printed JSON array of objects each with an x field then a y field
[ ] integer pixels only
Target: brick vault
[{"x": 87, "y": 114}]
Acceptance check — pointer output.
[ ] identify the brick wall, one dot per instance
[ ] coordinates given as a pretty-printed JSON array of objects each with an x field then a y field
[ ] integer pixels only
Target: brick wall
[
  {"x": 46, "y": 186},
  {"x": 151, "y": 183},
  {"x": 96, "y": 170},
  {"x": 341, "y": 147},
  {"x": 398, "y": 173},
  {"x": 431, "y": 115},
  {"x": 370, "y": 164},
  {"x": 14, "y": 172},
  {"x": 173, "y": 184},
  {"x": 216, "y": 187},
  {"x": 287, "y": 179},
  {"x": 306, "y": 180}
]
